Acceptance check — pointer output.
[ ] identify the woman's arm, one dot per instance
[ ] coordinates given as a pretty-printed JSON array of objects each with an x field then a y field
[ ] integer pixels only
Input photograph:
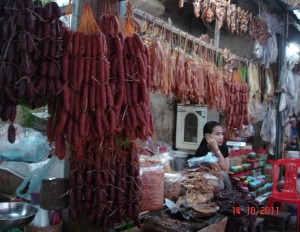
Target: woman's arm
[
  {"x": 213, "y": 147},
  {"x": 223, "y": 162}
]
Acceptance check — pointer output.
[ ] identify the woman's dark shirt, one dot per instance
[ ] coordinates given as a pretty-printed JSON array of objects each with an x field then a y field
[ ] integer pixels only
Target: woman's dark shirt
[{"x": 203, "y": 149}]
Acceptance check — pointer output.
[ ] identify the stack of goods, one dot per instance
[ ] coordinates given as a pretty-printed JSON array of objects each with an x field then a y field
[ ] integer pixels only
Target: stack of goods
[
  {"x": 238, "y": 162},
  {"x": 253, "y": 186},
  {"x": 248, "y": 177},
  {"x": 246, "y": 162}
]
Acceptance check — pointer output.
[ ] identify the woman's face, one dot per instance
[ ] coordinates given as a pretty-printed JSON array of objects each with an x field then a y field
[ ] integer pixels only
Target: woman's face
[{"x": 217, "y": 133}]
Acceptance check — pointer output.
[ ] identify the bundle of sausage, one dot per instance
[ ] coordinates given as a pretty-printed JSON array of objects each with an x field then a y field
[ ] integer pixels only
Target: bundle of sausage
[
  {"x": 105, "y": 184},
  {"x": 31, "y": 36},
  {"x": 237, "y": 114},
  {"x": 105, "y": 80}
]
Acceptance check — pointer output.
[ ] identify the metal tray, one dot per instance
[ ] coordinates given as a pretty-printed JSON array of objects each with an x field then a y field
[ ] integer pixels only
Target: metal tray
[{"x": 16, "y": 214}]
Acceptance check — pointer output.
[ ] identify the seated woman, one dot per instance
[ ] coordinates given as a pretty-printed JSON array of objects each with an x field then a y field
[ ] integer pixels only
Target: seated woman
[{"x": 213, "y": 142}]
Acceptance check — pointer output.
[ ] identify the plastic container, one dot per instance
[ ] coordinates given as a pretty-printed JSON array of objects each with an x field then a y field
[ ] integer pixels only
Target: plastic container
[
  {"x": 252, "y": 155},
  {"x": 234, "y": 169},
  {"x": 261, "y": 161},
  {"x": 244, "y": 158},
  {"x": 253, "y": 163},
  {"x": 180, "y": 159},
  {"x": 172, "y": 186},
  {"x": 292, "y": 154},
  {"x": 260, "y": 152},
  {"x": 268, "y": 170},
  {"x": 253, "y": 186},
  {"x": 238, "y": 160},
  {"x": 231, "y": 161},
  {"x": 152, "y": 188}
]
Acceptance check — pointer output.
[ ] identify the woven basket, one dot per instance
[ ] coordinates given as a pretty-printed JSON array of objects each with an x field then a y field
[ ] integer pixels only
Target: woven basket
[
  {"x": 53, "y": 194},
  {"x": 53, "y": 228}
]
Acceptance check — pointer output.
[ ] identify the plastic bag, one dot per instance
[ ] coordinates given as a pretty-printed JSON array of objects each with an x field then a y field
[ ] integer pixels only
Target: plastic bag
[
  {"x": 152, "y": 187},
  {"x": 164, "y": 159},
  {"x": 247, "y": 131},
  {"x": 258, "y": 50},
  {"x": 30, "y": 146},
  {"x": 209, "y": 158},
  {"x": 215, "y": 181},
  {"x": 172, "y": 186},
  {"x": 257, "y": 110},
  {"x": 268, "y": 128},
  {"x": 53, "y": 169}
]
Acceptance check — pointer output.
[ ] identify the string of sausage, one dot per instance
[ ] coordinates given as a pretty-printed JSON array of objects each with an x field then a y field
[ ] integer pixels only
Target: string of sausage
[
  {"x": 105, "y": 188},
  {"x": 30, "y": 46},
  {"x": 105, "y": 80}
]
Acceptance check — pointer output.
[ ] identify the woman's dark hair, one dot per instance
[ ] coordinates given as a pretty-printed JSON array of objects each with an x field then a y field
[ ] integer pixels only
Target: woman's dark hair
[
  {"x": 203, "y": 149},
  {"x": 209, "y": 127}
]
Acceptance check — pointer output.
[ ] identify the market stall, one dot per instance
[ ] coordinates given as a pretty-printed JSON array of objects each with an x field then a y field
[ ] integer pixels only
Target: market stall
[{"x": 95, "y": 78}]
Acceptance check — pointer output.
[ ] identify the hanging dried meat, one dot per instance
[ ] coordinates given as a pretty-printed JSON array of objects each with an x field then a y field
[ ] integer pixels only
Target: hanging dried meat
[
  {"x": 258, "y": 30},
  {"x": 221, "y": 6}
]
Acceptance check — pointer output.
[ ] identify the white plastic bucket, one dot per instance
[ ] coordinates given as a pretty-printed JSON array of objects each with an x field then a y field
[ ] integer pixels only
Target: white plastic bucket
[
  {"x": 180, "y": 159},
  {"x": 292, "y": 154}
]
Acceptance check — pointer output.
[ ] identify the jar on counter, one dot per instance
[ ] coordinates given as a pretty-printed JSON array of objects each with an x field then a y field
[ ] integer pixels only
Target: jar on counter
[
  {"x": 253, "y": 163},
  {"x": 261, "y": 162},
  {"x": 260, "y": 152},
  {"x": 268, "y": 169},
  {"x": 245, "y": 167},
  {"x": 253, "y": 195},
  {"x": 246, "y": 183},
  {"x": 237, "y": 181},
  {"x": 238, "y": 160},
  {"x": 252, "y": 155},
  {"x": 245, "y": 189},
  {"x": 231, "y": 174},
  {"x": 241, "y": 168},
  {"x": 243, "y": 178},
  {"x": 234, "y": 169},
  {"x": 244, "y": 158},
  {"x": 253, "y": 186}
]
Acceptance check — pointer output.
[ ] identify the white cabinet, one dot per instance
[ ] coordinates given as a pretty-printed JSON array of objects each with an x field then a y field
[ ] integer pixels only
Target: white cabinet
[{"x": 190, "y": 120}]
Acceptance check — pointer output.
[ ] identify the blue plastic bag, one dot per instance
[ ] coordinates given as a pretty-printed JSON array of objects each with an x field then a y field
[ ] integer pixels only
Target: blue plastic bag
[
  {"x": 209, "y": 158},
  {"x": 30, "y": 146}
]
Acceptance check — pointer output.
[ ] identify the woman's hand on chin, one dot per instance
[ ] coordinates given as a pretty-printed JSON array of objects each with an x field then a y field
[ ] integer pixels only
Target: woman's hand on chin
[{"x": 211, "y": 143}]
